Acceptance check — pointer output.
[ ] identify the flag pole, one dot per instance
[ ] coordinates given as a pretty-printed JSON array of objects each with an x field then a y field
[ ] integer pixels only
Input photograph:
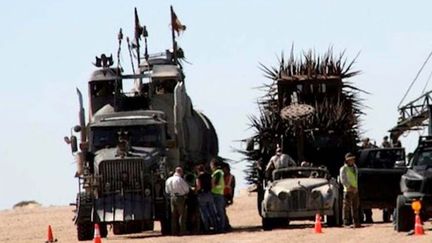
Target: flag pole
[
  {"x": 137, "y": 36},
  {"x": 173, "y": 35}
]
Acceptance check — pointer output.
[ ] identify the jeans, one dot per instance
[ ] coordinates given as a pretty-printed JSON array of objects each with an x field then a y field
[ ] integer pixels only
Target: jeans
[
  {"x": 207, "y": 210},
  {"x": 219, "y": 201}
]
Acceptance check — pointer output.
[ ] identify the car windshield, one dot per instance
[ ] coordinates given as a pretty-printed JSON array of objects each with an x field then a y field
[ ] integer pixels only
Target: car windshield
[
  {"x": 424, "y": 158},
  {"x": 139, "y": 136},
  {"x": 300, "y": 173}
]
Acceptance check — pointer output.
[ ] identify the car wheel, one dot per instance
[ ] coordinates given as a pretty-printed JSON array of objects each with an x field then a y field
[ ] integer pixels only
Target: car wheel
[
  {"x": 267, "y": 224},
  {"x": 335, "y": 220},
  {"x": 404, "y": 220}
]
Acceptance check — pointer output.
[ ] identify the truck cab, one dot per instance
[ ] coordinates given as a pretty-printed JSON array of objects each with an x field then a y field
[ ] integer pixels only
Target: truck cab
[{"x": 123, "y": 180}]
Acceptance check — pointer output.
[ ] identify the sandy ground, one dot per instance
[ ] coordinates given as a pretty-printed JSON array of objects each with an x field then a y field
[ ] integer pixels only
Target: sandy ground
[{"x": 30, "y": 225}]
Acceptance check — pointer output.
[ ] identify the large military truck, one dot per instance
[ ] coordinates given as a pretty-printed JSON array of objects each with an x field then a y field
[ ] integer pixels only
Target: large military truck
[{"x": 132, "y": 141}]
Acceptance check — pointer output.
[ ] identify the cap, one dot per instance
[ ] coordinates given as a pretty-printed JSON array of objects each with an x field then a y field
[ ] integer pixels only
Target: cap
[{"x": 349, "y": 156}]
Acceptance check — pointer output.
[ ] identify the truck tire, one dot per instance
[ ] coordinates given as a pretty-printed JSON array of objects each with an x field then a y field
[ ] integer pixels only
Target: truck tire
[
  {"x": 85, "y": 231},
  {"x": 404, "y": 218}
]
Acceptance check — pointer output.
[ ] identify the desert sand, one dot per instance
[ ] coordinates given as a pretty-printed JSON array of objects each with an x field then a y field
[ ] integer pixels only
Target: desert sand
[{"x": 29, "y": 224}]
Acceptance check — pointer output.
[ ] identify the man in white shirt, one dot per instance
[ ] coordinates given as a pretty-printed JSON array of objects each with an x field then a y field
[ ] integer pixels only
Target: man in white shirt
[
  {"x": 278, "y": 161},
  {"x": 177, "y": 189}
]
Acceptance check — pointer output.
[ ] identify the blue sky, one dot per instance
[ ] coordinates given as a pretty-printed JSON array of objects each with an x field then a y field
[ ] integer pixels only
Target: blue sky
[{"x": 47, "y": 48}]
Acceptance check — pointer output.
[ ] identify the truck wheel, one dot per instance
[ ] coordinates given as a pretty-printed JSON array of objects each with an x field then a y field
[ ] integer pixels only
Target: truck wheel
[
  {"x": 404, "y": 220},
  {"x": 85, "y": 231}
]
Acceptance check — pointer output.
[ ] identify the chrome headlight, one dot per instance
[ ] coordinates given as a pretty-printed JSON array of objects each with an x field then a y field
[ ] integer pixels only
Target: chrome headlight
[
  {"x": 315, "y": 194},
  {"x": 283, "y": 195}
]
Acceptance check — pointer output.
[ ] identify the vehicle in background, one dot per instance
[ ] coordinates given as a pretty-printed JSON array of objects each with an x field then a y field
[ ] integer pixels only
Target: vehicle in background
[
  {"x": 416, "y": 185},
  {"x": 379, "y": 174}
]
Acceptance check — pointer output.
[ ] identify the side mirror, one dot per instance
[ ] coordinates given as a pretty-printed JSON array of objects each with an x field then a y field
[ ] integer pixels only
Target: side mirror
[{"x": 74, "y": 144}]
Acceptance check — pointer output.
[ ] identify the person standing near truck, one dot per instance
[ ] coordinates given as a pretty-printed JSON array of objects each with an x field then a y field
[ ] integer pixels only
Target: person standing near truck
[
  {"x": 177, "y": 189},
  {"x": 218, "y": 185},
  {"x": 348, "y": 175}
]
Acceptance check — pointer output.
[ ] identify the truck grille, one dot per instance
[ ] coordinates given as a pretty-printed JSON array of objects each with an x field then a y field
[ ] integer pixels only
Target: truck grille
[
  {"x": 126, "y": 174},
  {"x": 298, "y": 199}
]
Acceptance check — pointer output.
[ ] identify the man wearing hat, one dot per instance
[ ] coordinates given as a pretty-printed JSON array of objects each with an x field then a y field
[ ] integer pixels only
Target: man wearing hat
[
  {"x": 349, "y": 178},
  {"x": 278, "y": 161}
]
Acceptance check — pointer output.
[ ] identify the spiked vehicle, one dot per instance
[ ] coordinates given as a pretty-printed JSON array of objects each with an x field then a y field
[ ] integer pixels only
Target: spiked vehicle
[
  {"x": 310, "y": 110},
  {"x": 133, "y": 140}
]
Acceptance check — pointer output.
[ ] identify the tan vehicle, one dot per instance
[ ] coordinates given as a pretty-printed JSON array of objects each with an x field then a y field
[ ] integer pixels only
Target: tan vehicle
[{"x": 298, "y": 193}]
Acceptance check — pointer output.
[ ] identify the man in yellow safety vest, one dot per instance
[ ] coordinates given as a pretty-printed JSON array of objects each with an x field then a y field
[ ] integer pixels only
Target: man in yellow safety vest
[
  {"x": 217, "y": 190},
  {"x": 348, "y": 175}
]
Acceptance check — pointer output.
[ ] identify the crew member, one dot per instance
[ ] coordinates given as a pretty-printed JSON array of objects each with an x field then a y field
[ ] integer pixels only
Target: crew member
[
  {"x": 385, "y": 143},
  {"x": 229, "y": 181},
  {"x": 349, "y": 178},
  {"x": 205, "y": 199},
  {"x": 218, "y": 186},
  {"x": 366, "y": 143},
  {"x": 177, "y": 189}
]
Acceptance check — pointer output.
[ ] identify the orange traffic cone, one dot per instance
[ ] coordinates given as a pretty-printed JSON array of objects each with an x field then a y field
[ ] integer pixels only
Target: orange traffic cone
[
  {"x": 97, "y": 237},
  {"x": 318, "y": 228},
  {"x": 418, "y": 226},
  {"x": 50, "y": 237}
]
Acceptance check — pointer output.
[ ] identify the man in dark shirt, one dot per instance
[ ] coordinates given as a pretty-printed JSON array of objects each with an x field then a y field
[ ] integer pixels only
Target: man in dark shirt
[{"x": 205, "y": 199}]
